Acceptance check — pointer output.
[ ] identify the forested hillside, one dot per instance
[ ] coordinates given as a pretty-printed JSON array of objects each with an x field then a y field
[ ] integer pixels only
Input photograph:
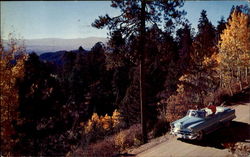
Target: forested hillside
[{"x": 154, "y": 68}]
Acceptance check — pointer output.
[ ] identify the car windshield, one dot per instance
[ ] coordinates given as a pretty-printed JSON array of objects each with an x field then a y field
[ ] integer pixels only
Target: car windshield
[{"x": 196, "y": 113}]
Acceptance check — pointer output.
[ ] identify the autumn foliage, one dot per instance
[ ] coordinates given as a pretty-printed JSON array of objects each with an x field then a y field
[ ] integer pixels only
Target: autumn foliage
[
  {"x": 112, "y": 145},
  {"x": 87, "y": 103},
  {"x": 234, "y": 56},
  {"x": 11, "y": 70},
  {"x": 217, "y": 75},
  {"x": 100, "y": 126}
]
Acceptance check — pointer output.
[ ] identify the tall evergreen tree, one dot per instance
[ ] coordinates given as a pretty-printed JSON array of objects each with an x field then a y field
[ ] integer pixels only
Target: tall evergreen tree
[
  {"x": 204, "y": 40},
  {"x": 132, "y": 20},
  {"x": 39, "y": 97},
  {"x": 185, "y": 40},
  {"x": 219, "y": 29}
]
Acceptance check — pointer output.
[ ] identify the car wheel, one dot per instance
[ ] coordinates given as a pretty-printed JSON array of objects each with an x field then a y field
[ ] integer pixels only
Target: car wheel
[{"x": 200, "y": 135}]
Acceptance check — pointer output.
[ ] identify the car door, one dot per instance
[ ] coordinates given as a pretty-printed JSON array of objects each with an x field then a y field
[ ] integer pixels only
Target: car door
[{"x": 211, "y": 123}]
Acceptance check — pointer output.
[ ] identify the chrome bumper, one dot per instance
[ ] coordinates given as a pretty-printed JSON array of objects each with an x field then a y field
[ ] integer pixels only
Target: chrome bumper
[{"x": 183, "y": 135}]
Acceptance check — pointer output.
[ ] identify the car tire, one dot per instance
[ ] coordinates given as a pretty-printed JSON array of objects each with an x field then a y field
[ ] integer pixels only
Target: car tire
[{"x": 200, "y": 135}]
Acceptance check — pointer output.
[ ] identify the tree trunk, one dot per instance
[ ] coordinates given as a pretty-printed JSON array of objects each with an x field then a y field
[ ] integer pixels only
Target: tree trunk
[
  {"x": 220, "y": 80},
  {"x": 239, "y": 75},
  {"x": 142, "y": 70},
  {"x": 232, "y": 81},
  {"x": 240, "y": 85},
  {"x": 230, "y": 90},
  {"x": 246, "y": 75}
]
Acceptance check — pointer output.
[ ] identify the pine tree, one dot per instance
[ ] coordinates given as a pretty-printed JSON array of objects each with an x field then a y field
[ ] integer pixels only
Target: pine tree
[
  {"x": 201, "y": 75},
  {"x": 40, "y": 99},
  {"x": 220, "y": 27},
  {"x": 185, "y": 40},
  {"x": 133, "y": 19},
  {"x": 204, "y": 41}
]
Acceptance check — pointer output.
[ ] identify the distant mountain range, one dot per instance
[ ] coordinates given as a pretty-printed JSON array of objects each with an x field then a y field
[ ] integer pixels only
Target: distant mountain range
[
  {"x": 56, "y": 44},
  {"x": 57, "y": 57}
]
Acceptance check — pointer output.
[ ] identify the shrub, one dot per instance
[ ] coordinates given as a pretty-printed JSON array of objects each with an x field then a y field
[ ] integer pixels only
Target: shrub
[
  {"x": 177, "y": 106},
  {"x": 100, "y": 126},
  {"x": 160, "y": 128},
  {"x": 222, "y": 95},
  {"x": 104, "y": 148},
  {"x": 128, "y": 138},
  {"x": 113, "y": 145}
]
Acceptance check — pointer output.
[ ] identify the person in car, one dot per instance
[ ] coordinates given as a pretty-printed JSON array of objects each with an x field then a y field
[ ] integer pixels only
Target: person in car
[{"x": 212, "y": 108}]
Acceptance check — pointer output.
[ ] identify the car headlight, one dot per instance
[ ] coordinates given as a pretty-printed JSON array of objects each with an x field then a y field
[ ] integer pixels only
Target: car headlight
[
  {"x": 171, "y": 125},
  {"x": 176, "y": 129}
]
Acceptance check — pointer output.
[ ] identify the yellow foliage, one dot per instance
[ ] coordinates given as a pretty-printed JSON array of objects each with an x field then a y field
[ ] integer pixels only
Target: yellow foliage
[
  {"x": 89, "y": 126},
  {"x": 235, "y": 38},
  {"x": 234, "y": 48},
  {"x": 214, "y": 59},
  {"x": 9, "y": 73},
  {"x": 11, "y": 69},
  {"x": 106, "y": 122},
  {"x": 92, "y": 123},
  {"x": 95, "y": 118},
  {"x": 120, "y": 139},
  {"x": 102, "y": 123},
  {"x": 116, "y": 118}
]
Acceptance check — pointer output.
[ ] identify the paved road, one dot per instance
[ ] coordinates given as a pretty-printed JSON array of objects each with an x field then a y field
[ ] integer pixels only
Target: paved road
[{"x": 213, "y": 145}]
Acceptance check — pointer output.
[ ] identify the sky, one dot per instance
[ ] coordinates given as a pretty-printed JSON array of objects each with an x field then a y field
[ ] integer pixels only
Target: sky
[{"x": 72, "y": 19}]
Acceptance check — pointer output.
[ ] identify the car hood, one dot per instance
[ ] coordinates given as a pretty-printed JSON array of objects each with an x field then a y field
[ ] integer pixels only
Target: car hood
[{"x": 187, "y": 121}]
